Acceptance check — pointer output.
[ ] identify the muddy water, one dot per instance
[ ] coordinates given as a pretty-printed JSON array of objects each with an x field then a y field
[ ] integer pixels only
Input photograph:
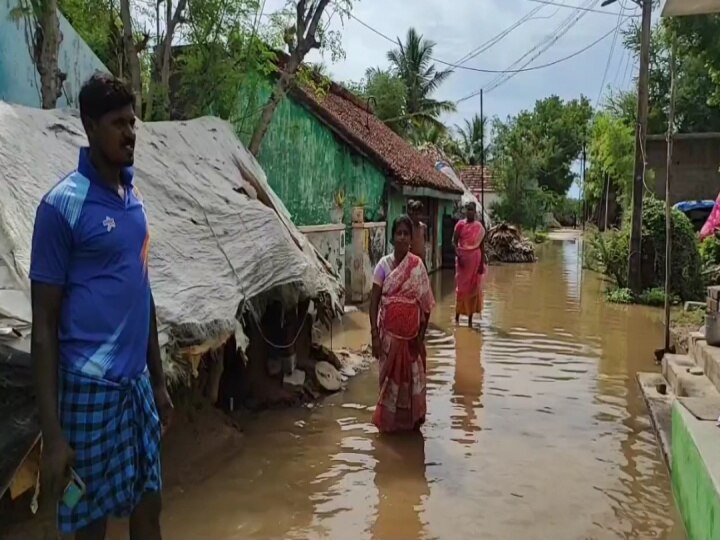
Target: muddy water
[{"x": 536, "y": 430}]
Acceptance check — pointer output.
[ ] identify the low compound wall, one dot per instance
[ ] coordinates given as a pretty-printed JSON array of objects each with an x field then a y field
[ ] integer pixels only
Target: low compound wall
[
  {"x": 329, "y": 240},
  {"x": 367, "y": 248},
  {"x": 695, "y": 467}
]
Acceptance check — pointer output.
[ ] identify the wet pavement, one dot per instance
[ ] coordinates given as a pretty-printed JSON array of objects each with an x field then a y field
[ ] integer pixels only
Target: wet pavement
[{"x": 536, "y": 429}]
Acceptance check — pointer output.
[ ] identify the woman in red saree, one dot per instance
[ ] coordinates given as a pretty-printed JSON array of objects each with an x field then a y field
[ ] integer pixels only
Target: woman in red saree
[
  {"x": 400, "y": 308},
  {"x": 469, "y": 265}
]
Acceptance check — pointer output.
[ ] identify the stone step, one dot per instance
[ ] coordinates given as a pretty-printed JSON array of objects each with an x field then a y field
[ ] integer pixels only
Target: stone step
[
  {"x": 706, "y": 357},
  {"x": 684, "y": 378}
]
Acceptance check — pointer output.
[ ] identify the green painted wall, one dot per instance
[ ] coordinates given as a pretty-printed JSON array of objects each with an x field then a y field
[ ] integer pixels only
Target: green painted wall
[
  {"x": 695, "y": 494},
  {"x": 307, "y": 166}
]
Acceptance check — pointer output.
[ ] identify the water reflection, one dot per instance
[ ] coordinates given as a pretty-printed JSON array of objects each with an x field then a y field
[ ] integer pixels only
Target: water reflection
[
  {"x": 536, "y": 429},
  {"x": 401, "y": 486}
]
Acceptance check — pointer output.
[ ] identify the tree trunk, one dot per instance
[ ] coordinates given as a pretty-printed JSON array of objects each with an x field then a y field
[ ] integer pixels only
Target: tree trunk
[
  {"x": 47, "y": 60},
  {"x": 269, "y": 110},
  {"x": 162, "y": 58},
  {"x": 131, "y": 54}
]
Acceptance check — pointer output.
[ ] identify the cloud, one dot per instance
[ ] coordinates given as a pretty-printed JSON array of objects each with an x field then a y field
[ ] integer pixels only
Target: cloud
[{"x": 458, "y": 26}]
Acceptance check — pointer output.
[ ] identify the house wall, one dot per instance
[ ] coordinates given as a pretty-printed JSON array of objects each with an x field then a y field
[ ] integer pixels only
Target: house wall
[
  {"x": 19, "y": 79},
  {"x": 695, "y": 163},
  {"x": 307, "y": 166}
]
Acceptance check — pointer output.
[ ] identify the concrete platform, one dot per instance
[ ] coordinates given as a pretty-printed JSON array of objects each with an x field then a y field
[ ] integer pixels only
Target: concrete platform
[
  {"x": 682, "y": 377},
  {"x": 707, "y": 357},
  {"x": 660, "y": 407}
]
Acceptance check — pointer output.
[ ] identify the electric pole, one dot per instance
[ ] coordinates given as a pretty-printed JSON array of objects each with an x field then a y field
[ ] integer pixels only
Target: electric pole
[
  {"x": 635, "y": 255},
  {"x": 482, "y": 158}
]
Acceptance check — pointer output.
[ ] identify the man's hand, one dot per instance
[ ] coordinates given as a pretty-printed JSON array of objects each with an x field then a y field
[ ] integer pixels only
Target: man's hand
[
  {"x": 57, "y": 458},
  {"x": 164, "y": 406}
]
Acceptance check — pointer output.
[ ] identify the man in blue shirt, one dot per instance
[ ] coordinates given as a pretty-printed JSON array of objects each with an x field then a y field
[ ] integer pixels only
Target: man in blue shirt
[{"x": 99, "y": 381}]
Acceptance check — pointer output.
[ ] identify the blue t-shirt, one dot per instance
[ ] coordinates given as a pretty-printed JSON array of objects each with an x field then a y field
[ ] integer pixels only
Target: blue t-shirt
[{"x": 94, "y": 243}]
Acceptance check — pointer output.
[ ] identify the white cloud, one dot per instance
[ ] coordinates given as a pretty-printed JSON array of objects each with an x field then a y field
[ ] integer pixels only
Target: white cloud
[{"x": 458, "y": 26}]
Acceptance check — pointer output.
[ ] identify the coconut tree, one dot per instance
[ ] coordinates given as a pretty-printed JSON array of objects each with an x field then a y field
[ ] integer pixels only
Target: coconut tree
[
  {"x": 413, "y": 64},
  {"x": 472, "y": 136}
]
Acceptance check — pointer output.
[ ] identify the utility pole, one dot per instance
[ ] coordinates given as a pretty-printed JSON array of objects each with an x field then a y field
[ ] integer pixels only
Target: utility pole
[
  {"x": 635, "y": 255},
  {"x": 482, "y": 158},
  {"x": 583, "y": 217}
]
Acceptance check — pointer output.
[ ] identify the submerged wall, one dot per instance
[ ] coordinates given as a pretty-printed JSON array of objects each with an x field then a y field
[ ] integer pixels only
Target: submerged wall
[{"x": 19, "y": 79}]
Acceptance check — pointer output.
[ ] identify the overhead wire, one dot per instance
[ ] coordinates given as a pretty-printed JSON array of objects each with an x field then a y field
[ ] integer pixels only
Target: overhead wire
[
  {"x": 609, "y": 60},
  {"x": 587, "y": 9},
  {"x": 482, "y": 70},
  {"x": 498, "y": 37},
  {"x": 536, "y": 51}
]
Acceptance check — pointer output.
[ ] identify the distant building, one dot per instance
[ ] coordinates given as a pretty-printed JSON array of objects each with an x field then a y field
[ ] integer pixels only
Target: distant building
[
  {"x": 473, "y": 177},
  {"x": 695, "y": 163}
]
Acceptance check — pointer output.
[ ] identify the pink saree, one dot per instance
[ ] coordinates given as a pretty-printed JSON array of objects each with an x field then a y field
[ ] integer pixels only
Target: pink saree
[
  {"x": 713, "y": 221},
  {"x": 406, "y": 298},
  {"x": 469, "y": 267}
]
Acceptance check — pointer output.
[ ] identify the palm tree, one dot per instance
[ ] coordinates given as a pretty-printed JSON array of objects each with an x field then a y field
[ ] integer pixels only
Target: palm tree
[
  {"x": 473, "y": 135},
  {"x": 413, "y": 64}
]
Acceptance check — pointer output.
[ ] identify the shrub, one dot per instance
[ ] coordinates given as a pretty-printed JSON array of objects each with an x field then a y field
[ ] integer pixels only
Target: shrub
[
  {"x": 619, "y": 295},
  {"x": 608, "y": 252},
  {"x": 710, "y": 251},
  {"x": 685, "y": 270},
  {"x": 655, "y": 297}
]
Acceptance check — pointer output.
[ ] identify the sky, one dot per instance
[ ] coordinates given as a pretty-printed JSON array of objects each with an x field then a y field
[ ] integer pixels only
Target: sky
[{"x": 459, "y": 26}]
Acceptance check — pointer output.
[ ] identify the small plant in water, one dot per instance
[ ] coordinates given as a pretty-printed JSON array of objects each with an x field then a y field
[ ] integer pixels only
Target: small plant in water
[{"x": 619, "y": 296}]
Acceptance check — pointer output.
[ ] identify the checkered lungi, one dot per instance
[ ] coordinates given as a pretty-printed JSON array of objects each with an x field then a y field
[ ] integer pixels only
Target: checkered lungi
[{"x": 114, "y": 429}]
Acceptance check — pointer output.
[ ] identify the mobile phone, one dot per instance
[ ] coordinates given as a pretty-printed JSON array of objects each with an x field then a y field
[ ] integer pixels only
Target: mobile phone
[{"x": 74, "y": 490}]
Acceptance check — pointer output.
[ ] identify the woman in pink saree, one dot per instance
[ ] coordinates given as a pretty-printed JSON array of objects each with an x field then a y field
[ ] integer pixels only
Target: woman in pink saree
[
  {"x": 400, "y": 307},
  {"x": 469, "y": 265}
]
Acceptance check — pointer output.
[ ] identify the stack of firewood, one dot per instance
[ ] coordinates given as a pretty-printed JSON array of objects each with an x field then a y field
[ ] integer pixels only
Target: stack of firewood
[{"x": 504, "y": 243}]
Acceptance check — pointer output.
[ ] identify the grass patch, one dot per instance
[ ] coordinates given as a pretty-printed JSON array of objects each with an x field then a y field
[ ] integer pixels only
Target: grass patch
[{"x": 651, "y": 297}]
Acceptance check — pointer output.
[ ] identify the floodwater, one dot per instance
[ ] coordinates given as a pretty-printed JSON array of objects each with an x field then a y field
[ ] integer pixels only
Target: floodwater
[{"x": 536, "y": 430}]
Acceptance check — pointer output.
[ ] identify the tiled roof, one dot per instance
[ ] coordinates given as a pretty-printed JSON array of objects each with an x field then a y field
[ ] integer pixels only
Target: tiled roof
[
  {"x": 353, "y": 121},
  {"x": 472, "y": 177}
]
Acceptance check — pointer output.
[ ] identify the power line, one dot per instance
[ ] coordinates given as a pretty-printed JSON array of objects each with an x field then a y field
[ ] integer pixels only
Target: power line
[
  {"x": 537, "y": 50},
  {"x": 497, "y": 38},
  {"x": 609, "y": 60},
  {"x": 549, "y": 64},
  {"x": 480, "y": 70},
  {"x": 587, "y": 9}
]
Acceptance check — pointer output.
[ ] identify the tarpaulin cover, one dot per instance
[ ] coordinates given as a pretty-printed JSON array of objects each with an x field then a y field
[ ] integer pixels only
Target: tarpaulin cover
[{"x": 212, "y": 246}]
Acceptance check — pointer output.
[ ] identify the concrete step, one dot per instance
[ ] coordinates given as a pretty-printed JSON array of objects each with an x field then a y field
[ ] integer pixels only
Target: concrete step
[
  {"x": 680, "y": 371},
  {"x": 706, "y": 357}
]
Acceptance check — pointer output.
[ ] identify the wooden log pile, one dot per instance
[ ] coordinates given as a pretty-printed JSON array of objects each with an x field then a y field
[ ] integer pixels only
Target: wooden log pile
[{"x": 504, "y": 243}]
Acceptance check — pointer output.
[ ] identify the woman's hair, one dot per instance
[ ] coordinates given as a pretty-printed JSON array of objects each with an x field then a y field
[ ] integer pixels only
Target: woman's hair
[
  {"x": 402, "y": 220},
  {"x": 104, "y": 93}
]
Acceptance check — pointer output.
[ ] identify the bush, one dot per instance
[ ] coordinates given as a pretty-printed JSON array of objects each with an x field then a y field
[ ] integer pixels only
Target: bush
[
  {"x": 608, "y": 253},
  {"x": 710, "y": 251},
  {"x": 538, "y": 237},
  {"x": 655, "y": 297},
  {"x": 619, "y": 296},
  {"x": 685, "y": 270}
]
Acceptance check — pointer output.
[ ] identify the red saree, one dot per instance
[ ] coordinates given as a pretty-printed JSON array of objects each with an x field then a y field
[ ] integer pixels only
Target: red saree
[
  {"x": 469, "y": 267},
  {"x": 406, "y": 298}
]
